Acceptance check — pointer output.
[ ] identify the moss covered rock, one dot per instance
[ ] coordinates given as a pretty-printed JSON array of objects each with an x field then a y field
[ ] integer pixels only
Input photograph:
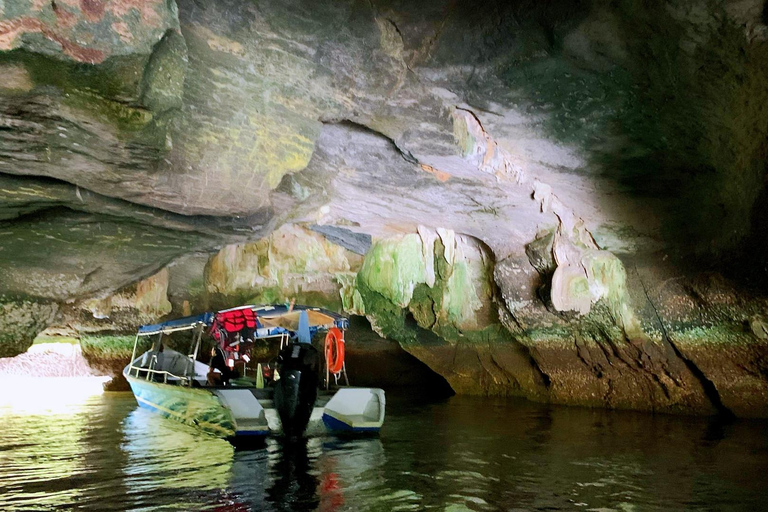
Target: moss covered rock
[
  {"x": 292, "y": 263},
  {"x": 434, "y": 293},
  {"x": 581, "y": 148},
  {"x": 21, "y": 320}
]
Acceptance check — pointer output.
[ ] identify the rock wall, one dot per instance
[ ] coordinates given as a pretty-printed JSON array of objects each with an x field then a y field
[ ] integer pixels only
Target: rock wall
[
  {"x": 558, "y": 200},
  {"x": 642, "y": 340},
  {"x": 434, "y": 293},
  {"x": 292, "y": 263},
  {"x": 20, "y": 321}
]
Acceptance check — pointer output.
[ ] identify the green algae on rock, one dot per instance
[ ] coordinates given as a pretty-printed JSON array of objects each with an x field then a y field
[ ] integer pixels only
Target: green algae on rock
[
  {"x": 433, "y": 292},
  {"x": 292, "y": 263},
  {"x": 592, "y": 165}
]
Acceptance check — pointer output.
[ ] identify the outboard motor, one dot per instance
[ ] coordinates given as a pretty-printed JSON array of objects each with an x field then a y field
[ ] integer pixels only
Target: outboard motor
[{"x": 296, "y": 391}]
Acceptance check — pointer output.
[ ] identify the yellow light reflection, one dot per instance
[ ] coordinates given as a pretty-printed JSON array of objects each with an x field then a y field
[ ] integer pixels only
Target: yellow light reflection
[
  {"x": 45, "y": 421},
  {"x": 163, "y": 453},
  {"x": 48, "y": 395}
]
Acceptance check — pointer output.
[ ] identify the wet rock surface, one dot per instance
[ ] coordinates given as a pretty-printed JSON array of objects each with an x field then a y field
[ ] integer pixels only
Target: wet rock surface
[
  {"x": 21, "y": 321},
  {"x": 560, "y": 201}
]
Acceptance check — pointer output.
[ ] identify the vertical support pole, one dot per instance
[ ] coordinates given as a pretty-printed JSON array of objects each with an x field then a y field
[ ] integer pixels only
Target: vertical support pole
[
  {"x": 325, "y": 359},
  {"x": 133, "y": 356},
  {"x": 196, "y": 340},
  {"x": 344, "y": 364},
  {"x": 193, "y": 356}
]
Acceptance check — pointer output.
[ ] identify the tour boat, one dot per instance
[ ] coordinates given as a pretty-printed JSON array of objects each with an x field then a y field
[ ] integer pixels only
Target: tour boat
[{"x": 233, "y": 394}]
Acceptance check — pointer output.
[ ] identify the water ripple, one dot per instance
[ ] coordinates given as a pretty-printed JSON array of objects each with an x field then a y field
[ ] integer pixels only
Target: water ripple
[{"x": 92, "y": 451}]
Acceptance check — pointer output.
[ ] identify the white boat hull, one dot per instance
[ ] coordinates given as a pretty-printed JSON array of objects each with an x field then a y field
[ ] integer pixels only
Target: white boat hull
[{"x": 240, "y": 412}]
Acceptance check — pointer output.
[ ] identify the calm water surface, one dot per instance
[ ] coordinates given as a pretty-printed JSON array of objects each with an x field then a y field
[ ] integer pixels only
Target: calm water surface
[{"x": 68, "y": 448}]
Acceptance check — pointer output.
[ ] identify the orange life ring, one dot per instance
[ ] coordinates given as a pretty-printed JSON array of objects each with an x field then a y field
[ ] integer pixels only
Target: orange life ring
[{"x": 334, "y": 350}]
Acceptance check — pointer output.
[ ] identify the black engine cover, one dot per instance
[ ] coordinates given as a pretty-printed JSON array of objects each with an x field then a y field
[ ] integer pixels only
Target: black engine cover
[{"x": 296, "y": 391}]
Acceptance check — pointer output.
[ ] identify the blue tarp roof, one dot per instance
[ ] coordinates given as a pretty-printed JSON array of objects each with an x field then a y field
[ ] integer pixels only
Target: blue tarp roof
[
  {"x": 179, "y": 323},
  {"x": 269, "y": 311}
]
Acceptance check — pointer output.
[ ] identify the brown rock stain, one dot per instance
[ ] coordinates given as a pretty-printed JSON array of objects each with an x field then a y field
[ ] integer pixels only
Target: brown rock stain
[
  {"x": 440, "y": 175},
  {"x": 77, "y": 52},
  {"x": 93, "y": 9},
  {"x": 146, "y": 9},
  {"x": 64, "y": 18},
  {"x": 39, "y": 5},
  {"x": 10, "y": 30},
  {"x": 123, "y": 31}
]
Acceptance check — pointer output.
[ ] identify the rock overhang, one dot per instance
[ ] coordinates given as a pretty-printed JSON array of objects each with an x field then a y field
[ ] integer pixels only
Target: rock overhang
[{"x": 611, "y": 127}]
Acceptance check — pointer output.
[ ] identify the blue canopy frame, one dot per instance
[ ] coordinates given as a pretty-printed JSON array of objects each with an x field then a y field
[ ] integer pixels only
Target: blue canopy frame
[
  {"x": 180, "y": 324},
  {"x": 262, "y": 331}
]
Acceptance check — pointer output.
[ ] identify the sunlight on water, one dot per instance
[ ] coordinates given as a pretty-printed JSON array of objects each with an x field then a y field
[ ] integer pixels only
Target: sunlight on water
[
  {"x": 44, "y": 423},
  {"x": 51, "y": 395},
  {"x": 161, "y": 453}
]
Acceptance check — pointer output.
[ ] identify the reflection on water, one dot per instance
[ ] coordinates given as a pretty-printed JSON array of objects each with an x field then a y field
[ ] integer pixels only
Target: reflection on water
[
  {"x": 163, "y": 456},
  {"x": 100, "y": 452}
]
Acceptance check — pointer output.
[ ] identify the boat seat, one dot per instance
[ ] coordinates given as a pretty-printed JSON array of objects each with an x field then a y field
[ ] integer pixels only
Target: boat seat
[{"x": 175, "y": 363}]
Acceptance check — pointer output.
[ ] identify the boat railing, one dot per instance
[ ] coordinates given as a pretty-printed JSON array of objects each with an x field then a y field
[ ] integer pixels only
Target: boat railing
[{"x": 150, "y": 371}]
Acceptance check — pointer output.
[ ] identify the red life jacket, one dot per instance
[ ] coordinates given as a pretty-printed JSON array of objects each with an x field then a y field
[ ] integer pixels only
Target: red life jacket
[{"x": 229, "y": 326}]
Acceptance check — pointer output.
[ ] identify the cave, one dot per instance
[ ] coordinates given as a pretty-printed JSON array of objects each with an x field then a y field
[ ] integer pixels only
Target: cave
[
  {"x": 544, "y": 224},
  {"x": 560, "y": 201}
]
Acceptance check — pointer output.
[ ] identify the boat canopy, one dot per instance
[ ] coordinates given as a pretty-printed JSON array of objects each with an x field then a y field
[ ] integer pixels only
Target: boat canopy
[
  {"x": 271, "y": 320},
  {"x": 180, "y": 324}
]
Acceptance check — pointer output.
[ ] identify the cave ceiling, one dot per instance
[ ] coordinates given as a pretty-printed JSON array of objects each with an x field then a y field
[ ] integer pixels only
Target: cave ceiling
[{"x": 133, "y": 133}]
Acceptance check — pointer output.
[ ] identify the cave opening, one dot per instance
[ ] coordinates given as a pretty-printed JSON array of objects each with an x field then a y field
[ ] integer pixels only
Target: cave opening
[
  {"x": 49, "y": 355},
  {"x": 380, "y": 362}
]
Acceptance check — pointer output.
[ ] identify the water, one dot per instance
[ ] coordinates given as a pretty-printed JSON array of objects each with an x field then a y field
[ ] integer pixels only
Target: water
[{"x": 64, "y": 447}]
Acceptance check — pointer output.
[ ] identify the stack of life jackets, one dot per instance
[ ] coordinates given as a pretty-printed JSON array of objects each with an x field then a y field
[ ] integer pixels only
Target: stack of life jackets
[{"x": 234, "y": 330}]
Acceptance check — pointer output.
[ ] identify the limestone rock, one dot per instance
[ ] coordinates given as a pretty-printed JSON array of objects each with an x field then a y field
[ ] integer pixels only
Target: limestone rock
[
  {"x": 20, "y": 321},
  {"x": 548, "y": 194},
  {"x": 89, "y": 32},
  {"x": 433, "y": 292},
  {"x": 292, "y": 263}
]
